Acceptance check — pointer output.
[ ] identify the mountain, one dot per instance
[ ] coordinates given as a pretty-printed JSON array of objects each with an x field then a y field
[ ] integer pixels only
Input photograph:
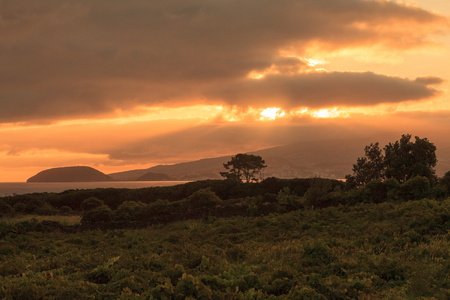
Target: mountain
[
  {"x": 70, "y": 174},
  {"x": 328, "y": 159},
  {"x": 154, "y": 177}
]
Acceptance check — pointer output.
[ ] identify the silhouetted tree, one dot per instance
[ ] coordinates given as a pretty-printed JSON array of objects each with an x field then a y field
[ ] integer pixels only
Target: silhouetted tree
[
  {"x": 405, "y": 159},
  {"x": 368, "y": 168},
  {"x": 244, "y": 167},
  {"x": 402, "y": 160}
]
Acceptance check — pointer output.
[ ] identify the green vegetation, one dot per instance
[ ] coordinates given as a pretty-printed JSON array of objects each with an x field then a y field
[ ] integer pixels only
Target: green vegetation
[
  {"x": 402, "y": 160},
  {"x": 313, "y": 238},
  {"x": 389, "y": 250}
]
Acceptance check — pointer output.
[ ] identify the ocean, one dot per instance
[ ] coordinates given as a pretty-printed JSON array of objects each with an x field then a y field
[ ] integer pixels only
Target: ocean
[{"x": 18, "y": 188}]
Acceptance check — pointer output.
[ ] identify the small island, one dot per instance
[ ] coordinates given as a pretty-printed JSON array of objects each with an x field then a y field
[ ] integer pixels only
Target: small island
[{"x": 70, "y": 174}]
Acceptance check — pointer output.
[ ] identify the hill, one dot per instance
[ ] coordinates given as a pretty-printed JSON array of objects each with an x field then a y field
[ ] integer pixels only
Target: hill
[
  {"x": 154, "y": 177},
  {"x": 70, "y": 174},
  {"x": 328, "y": 159}
]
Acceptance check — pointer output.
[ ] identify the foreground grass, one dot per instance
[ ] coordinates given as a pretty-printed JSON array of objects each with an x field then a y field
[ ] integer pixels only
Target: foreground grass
[
  {"x": 64, "y": 220},
  {"x": 366, "y": 251}
]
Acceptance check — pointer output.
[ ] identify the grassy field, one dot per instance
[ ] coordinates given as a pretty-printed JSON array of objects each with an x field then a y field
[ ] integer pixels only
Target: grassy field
[
  {"x": 64, "y": 220},
  {"x": 364, "y": 251}
]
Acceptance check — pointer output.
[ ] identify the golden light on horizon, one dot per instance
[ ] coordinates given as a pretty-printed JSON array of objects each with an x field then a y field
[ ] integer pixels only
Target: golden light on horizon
[
  {"x": 329, "y": 113},
  {"x": 314, "y": 62},
  {"x": 272, "y": 113}
]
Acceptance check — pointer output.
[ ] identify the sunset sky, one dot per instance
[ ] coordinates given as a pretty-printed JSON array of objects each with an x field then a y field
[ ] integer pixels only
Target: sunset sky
[{"x": 120, "y": 85}]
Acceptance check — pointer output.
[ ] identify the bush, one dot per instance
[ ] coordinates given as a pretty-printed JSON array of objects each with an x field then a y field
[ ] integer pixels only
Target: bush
[
  {"x": 317, "y": 194},
  {"x": 415, "y": 188},
  {"x": 33, "y": 205},
  {"x": 443, "y": 187},
  {"x": 190, "y": 287},
  {"x": 46, "y": 210},
  {"x": 100, "y": 214},
  {"x": 129, "y": 211},
  {"x": 203, "y": 198},
  {"x": 377, "y": 191},
  {"x": 5, "y": 208},
  {"x": 289, "y": 200},
  {"x": 65, "y": 210},
  {"x": 160, "y": 207},
  {"x": 317, "y": 253},
  {"x": 393, "y": 187},
  {"x": 91, "y": 203},
  {"x": 20, "y": 207}
]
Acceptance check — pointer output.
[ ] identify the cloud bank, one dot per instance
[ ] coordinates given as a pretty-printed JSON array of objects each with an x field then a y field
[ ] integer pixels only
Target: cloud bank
[{"x": 87, "y": 59}]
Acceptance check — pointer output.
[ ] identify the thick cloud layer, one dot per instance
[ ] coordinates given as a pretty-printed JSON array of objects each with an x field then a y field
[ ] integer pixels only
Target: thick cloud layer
[
  {"x": 69, "y": 59},
  {"x": 325, "y": 90}
]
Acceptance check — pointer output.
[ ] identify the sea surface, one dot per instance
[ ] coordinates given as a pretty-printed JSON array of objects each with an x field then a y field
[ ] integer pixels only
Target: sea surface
[{"x": 18, "y": 188}]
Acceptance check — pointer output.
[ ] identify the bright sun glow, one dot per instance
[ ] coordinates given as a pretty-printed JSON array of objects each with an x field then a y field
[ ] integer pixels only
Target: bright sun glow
[
  {"x": 272, "y": 113},
  {"x": 314, "y": 62},
  {"x": 328, "y": 113},
  {"x": 255, "y": 75}
]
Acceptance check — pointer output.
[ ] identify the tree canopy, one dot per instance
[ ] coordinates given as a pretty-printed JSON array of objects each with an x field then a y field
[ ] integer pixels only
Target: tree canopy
[
  {"x": 401, "y": 160},
  {"x": 244, "y": 167}
]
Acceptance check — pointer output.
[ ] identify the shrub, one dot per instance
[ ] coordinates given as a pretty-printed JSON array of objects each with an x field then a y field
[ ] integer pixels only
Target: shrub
[
  {"x": 100, "y": 214},
  {"x": 160, "y": 207},
  {"x": 5, "y": 208},
  {"x": 288, "y": 200},
  {"x": 203, "y": 198},
  {"x": 393, "y": 187},
  {"x": 129, "y": 211},
  {"x": 317, "y": 194},
  {"x": 317, "y": 253},
  {"x": 377, "y": 191},
  {"x": 66, "y": 210},
  {"x": 33, "y": 205},
  {"x": 103, "y": 273},
  {"x": 190, "y": 286},
  {"x": 445, "y": 182},
  {"x": 20, "y": 207},
  {"x": 415, "y": 188},
  {"x": 46, "y": 210},
  {"x": 91, "y": 203},
  {"x": 236, "y": 253}
]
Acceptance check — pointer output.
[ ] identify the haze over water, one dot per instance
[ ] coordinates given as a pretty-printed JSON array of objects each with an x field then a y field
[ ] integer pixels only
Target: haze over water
[{"x": 19, "y": 188}]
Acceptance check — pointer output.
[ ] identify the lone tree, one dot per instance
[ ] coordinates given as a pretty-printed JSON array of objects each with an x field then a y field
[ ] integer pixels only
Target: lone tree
[
  {"x": 244, "y": 167},
  {"x": 402, "y": 160}
]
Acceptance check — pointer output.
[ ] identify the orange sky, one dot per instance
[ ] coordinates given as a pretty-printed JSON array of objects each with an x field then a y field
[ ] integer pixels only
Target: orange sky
[{"x": 127, "y": 85}]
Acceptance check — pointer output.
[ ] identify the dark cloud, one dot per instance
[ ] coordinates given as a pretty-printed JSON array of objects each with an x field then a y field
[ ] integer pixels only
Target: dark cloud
[
  {"x": 321, "y": 89},
  {"x": 66, "y": 59},
  {"x": 427, "y": 80}
]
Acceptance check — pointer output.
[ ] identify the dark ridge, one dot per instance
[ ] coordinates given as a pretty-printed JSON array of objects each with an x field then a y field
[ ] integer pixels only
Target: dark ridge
[
  {"x": 70, "y": 174},
  {"x": 154, "y": 177}
]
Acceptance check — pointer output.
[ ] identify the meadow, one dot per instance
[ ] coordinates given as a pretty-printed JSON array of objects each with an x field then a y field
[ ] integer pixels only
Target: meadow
[{"x": 202, "y": 246}]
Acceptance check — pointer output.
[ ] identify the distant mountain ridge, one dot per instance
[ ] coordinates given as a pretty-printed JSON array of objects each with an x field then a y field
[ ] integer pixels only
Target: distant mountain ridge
[
  {"x": 154, "y": 177},
  {"x": 328, "y": 159},
  {"x": 70, "y": 174}
]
